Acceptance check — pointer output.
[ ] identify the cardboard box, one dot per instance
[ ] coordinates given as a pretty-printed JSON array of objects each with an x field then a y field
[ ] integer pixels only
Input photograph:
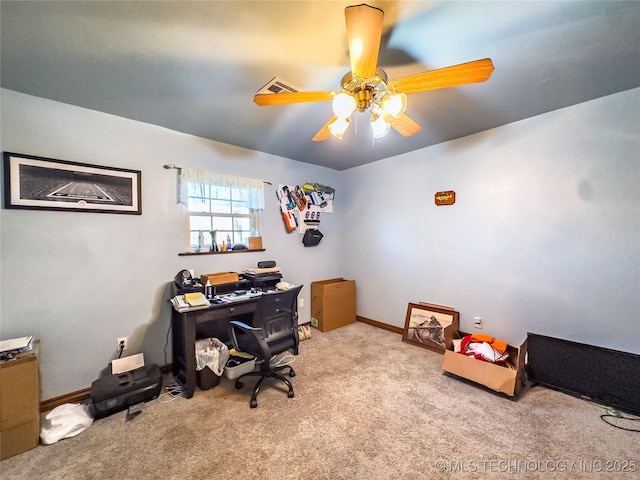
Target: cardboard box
[
  {"x": 333, "y": 303},
  {"x": 497, "y": 377},
  {"x": 19, "y": 404},
  {"x": 19, "y": 439},
  {"x": 255, "y": 243},
  {"x": 219, "y": 278}
]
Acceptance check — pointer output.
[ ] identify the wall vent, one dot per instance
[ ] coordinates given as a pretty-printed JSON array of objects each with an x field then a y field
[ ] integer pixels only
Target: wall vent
[{"x": 277, "y": 85}]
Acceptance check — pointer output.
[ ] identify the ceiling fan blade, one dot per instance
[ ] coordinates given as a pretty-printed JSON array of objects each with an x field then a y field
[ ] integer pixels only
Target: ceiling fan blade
[
  {"x": 364, "y": 30},
  {"x": 405, "y": 125},
  {"x": 324, "y": 133},
  {"x": 267, "y": 99},
  {"x": 471, "y": 72}
]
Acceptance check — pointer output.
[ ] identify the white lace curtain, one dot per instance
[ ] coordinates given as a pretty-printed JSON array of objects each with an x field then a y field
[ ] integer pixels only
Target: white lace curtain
[{"x": 254, "y": 186}]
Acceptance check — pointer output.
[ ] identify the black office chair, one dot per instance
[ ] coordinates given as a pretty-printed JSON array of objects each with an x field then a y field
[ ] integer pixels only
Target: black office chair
[{"x": 273, "y": 330}]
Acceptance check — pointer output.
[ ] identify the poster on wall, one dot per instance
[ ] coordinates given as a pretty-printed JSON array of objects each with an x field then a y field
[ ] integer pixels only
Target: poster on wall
[{"x": 49, "y": 184}]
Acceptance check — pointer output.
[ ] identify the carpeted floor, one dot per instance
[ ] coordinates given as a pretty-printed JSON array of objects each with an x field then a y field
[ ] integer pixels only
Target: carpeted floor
[{"x": 367, "y": 406}]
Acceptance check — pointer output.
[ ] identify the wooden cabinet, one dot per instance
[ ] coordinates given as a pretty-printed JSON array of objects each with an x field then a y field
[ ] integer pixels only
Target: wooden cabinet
[{"x": 19, "y": 404}]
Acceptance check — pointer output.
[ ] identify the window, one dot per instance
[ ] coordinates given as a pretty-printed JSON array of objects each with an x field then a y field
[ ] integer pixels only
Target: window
[{"x": 223, "y": 206}]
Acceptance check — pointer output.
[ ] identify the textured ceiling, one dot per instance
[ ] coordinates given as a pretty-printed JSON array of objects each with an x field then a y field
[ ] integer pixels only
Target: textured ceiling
[{"x": 194, "y": 67}]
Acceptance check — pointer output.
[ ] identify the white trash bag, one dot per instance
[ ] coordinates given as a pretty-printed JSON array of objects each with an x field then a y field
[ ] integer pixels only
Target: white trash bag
[
  {"x": 212, "y": 353},
  {"x": 65, "y": 421}
]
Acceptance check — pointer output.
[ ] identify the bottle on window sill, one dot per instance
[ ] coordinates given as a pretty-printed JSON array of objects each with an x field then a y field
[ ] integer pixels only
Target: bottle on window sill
[{"x": 200, "y": 241}]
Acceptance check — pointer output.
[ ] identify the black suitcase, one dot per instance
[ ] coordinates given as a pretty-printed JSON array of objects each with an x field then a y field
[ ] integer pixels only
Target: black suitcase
[{"x": 117, "y": 392}]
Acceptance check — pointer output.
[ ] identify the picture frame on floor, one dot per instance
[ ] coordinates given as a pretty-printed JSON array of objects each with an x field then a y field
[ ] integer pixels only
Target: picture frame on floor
[
  {"x": 39, "y": 183},
  {"x": 430, "y": 326}
]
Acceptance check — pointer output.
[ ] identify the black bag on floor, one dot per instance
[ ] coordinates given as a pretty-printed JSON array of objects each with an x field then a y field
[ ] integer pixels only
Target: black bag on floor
[{"x": 117, "y": 392}]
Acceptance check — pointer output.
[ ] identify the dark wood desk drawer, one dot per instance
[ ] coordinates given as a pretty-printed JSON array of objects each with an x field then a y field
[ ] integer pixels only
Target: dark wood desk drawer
[{"x": 225, "y": 312}]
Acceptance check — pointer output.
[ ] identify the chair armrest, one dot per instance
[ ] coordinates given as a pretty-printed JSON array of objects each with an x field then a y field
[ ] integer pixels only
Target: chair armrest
[
  {"x": 243, "y": 326},
  {"x": 251, "y": 331}
]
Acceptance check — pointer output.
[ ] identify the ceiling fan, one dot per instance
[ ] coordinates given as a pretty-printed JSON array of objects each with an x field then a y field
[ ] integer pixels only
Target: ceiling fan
[{"x": 367, "y": 88}]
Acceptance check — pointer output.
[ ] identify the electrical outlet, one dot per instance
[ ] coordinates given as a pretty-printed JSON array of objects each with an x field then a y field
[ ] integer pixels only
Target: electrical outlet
[
  {"x": 477, "y": 322},
  {"x": 301, "y": 303},
  {"x": 122, "y": 340}
]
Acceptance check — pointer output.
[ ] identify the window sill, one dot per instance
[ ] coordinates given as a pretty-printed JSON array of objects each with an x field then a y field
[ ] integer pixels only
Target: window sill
[{"x": 221, "y": 253}]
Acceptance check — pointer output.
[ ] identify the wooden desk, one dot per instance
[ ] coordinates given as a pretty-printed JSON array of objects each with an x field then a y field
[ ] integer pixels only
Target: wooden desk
[{"x": 187, "y": 327}]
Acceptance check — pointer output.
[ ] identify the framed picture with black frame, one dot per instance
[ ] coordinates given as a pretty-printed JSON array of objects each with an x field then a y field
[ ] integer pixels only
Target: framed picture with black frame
[
  {"x": 430, "y": 326},
  {"x": 39, "y": 183}
]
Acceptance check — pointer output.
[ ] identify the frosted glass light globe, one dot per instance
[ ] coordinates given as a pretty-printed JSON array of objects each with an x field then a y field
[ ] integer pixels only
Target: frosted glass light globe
[{"x": 343, "y": 105}]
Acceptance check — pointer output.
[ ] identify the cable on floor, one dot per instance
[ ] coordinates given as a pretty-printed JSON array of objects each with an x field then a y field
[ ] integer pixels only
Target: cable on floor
[
  {"x": 173, "y": 391},
  {"x": 615, "y": 414},
  {"x": 283, "y": 361}
]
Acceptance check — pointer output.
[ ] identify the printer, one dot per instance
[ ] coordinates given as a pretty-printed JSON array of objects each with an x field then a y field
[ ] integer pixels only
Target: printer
[{"x": 265, "y": 276}]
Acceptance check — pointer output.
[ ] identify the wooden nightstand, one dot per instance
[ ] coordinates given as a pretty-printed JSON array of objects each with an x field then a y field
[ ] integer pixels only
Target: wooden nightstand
[{"x": 19, "y": 403}]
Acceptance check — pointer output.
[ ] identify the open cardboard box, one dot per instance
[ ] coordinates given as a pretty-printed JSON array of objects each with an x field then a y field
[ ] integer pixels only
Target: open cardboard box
[
  {"x": 333, "y": 303},
  {"x": 497, "y": 377},
  {"x": 219, "y": 278}
]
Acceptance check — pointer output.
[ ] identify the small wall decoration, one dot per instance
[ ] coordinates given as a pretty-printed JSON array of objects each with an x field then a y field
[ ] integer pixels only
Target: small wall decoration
[
  {"x": 430, "y": 326},
  {"x": 445, "y": 198},
  {"x": 50, "y": 184}
]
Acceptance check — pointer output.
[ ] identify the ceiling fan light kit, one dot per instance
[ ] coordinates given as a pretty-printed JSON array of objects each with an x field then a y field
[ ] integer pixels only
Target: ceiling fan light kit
[
  {"x": 379, "y": 127},
  {"x": 344, "y": 105},
  {"x": 394, "y": 105},
  {"x": 339, "y": 126},
  {"x": 366, "y": 87},
  {"x": 367, "y": 94}
]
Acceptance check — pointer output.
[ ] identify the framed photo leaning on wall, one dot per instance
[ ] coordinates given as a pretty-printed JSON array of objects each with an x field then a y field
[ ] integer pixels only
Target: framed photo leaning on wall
[
  {"x": 46, "y": 183},
  {"x": 430, "y": 326}
]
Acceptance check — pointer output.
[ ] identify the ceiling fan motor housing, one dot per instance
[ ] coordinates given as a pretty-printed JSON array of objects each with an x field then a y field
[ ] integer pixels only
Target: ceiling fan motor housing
[{"x": 364, "y": 89}]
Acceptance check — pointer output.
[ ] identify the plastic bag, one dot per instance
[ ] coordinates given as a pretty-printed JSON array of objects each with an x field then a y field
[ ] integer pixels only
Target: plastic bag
[
  {"x": 65, "y": 421},
  {"x": 212, "y": 353}
]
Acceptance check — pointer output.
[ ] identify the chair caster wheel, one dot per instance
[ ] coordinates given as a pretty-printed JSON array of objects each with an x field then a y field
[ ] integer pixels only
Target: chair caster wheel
[
  {"x": 239, "y": 385},
  {"x": 253, "y": 404},
  {"x": 291, "y": 394}
]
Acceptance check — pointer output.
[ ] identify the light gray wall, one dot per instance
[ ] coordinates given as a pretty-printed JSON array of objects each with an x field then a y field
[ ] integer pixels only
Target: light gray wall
[
  {"x": 544, "y": 235},
  {"x": 78, "y": 281}
]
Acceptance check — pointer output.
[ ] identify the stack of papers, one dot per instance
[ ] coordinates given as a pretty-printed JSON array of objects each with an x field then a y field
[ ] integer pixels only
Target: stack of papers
[
  {"x": 16, "y": 345},
  {"x": 258, "y": 271},
  {"x": 196, "y": 299},
  {"x": 232, "y": 297},
  {"x": 181, "y": 304}
]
